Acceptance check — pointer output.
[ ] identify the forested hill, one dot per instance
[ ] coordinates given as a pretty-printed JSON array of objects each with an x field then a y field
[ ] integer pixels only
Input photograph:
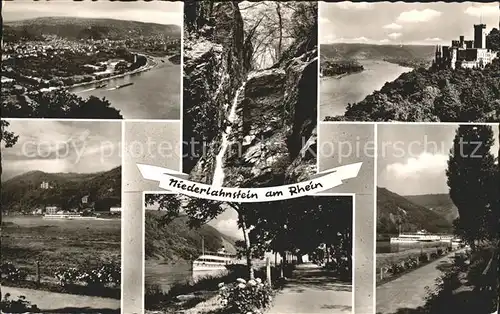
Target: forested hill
[
  {"x": 394, "y": 210},
  {"x": 24, "y": 192},
  {"x": 435, "y": 95},
  {"x": 405, "y": 55},
  {"x": 85, "y": 28},
  {"x": 438, "y": 203},
  {"x": 176, "y": 241}
]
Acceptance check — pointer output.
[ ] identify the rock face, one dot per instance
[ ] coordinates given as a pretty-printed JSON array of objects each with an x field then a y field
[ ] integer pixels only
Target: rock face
[
  {"x": 214, "y": 68},
  {"x": 273, "y": 138}
]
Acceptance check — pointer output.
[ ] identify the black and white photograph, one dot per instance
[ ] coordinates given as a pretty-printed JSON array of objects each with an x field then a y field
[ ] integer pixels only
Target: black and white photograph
[
  {"x": 154, "y": 143},
  {"x": 250, "y": 92},
  {"x": 419, "y": 62},
  {"x": 340, "y": 145},
  {"x": 438, "y": 218},
  {"x": 91, "y": 59},
  {"x": 291, "y": 256},
  {"x": 61, "y": 216}
]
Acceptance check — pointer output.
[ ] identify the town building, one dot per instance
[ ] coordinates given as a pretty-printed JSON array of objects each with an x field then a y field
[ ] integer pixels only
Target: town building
[{"x": 471, "y": 54}]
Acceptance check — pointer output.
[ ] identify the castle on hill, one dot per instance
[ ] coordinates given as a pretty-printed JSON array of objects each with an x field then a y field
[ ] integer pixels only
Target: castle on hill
[{"x": 471, "y": 54}]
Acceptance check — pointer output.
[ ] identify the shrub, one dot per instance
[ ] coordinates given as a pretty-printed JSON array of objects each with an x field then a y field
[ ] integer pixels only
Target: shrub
[
  {"x": 106, "y": 274},
  {"x": 440, "y": 251},
  {"x": 12, "y": 273},
  {"x": 423, "y": 258},
  {"x": 244, "y": 297},
  {"x": 21, "y": 305},
  {"x": 411, "y": 263},
  {"x": 396, "y": 269},
  {"x": 434, "y": 255}
]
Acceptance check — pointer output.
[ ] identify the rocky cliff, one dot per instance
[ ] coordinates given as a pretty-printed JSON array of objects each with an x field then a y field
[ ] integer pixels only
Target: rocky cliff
[{"x": 273, "y": 137}]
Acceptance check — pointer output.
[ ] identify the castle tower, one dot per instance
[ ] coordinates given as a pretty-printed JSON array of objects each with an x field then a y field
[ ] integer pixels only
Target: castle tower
[{"x": 480, "y": 36}]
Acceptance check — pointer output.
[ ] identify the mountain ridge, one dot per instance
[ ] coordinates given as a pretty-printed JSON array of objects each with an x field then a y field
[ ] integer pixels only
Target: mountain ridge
[
  {"x": 176, "y": 241},
  {"x": 82, "y": 28},
  {"x": 394, "y": 210},
  {"x": 23, "y": 192}
]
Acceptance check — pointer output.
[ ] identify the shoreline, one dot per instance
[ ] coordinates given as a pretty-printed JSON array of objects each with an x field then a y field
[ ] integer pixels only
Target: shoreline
[{"x": 152, "y": 62}]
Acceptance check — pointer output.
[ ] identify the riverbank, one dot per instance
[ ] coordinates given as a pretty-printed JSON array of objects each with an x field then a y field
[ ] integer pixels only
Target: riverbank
[{"x": 151, "y": 63}]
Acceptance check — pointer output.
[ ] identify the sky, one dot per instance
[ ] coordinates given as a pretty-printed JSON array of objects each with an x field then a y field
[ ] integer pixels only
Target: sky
[
  {"x": 412, "y": 159},
  {"x": 403, "y": 23},
  {"x": 62, "y": 146},
  {"x": 161, "y": 12}
]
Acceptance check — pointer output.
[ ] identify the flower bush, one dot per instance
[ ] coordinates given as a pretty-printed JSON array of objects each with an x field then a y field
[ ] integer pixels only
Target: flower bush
[
  {"x": 12, "y": 273},
  {"x": 251, "y": 297},
  {"x": 67, "y": 276},
  {"x": 107, "y": 274}
]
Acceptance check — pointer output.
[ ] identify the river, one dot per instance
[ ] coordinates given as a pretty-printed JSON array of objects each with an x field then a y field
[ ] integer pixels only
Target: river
[
  {"x": 336, "y": 93},
  {"x": 164, "y": 275},
  {"x": 155, "y": 93}
]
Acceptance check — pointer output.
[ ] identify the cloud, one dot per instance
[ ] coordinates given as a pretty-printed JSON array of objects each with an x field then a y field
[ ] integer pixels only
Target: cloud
[
  {"x": 433, "y": 39},
  {"x": 228, "y": 227},
  {"x": 392, "y": 26},
  {"x": 483, "y": 10},
  {"x": 394, "y": 35},
  {"x": 362, "y": 38},
  {"x": 418, "y": 167},
  {"x": 347, "y": 5},
  {"x": 385, "y": 41},
  {"x": 328, "y": 39},
  {"x": 416, "y": 16}
]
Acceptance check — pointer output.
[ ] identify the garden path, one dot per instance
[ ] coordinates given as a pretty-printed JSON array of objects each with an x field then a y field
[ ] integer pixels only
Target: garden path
[
  {"x": 52, "y": 302},
  {"x": 312, "y": 291},
  {"x": 408, "y": 291}
]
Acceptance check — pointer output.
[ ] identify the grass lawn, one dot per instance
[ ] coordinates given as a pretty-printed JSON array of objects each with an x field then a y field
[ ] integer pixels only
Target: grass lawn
[{"x": 59, "y": 243}]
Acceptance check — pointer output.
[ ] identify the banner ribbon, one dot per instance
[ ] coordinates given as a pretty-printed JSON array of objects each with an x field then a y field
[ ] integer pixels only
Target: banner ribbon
[{"x": 177, "y": 182}]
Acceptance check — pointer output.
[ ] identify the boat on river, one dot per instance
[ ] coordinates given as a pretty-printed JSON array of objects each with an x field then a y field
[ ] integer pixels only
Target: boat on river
[
  {"x": 213, "y": 261},
  {"x": 68, "y": 216},
  {"x": 124, "y": 85},
  {"x": 421, "y": 236}
]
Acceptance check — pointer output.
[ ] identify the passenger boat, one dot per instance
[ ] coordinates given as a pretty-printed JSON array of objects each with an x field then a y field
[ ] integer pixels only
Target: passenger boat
[
  {"x": 420, "y": 236},
  {"x": 208, "y": 261},
  {"x": 124, "y": 85}
]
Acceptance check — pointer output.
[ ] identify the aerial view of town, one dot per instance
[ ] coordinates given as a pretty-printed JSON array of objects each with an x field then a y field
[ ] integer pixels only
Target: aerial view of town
[
  {"x": 61, "y": 216},
  {"x": 56, "y": 65}
]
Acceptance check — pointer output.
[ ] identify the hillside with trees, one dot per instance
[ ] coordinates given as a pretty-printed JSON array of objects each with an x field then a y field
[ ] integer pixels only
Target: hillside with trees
[
  {"x": 176, "y": 241},
  {"x": 428, "y": 94},
  {"x": 414, "y": 56},
  {"x": 394, "y": 210},
  {"x": 75, "y": 28},
  {"x": 23, "y": 193},
  {"x": 438, "y": 203}
]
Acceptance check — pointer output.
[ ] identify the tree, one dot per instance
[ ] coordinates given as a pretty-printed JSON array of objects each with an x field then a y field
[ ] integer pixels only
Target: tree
[
  {"x": 7, "y": 139},
  {"x": 471, "y": 175}
]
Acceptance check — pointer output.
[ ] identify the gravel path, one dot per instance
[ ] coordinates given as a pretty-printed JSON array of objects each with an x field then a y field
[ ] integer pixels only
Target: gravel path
[
  {"x": 311, "y": 291},
  {"x": 408, "y": 291},
  {"x": 52, "y": 302}
]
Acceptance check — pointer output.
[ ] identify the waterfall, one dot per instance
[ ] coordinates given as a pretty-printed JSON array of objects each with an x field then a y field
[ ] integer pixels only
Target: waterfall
[{"x": 218, "y": 178}]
